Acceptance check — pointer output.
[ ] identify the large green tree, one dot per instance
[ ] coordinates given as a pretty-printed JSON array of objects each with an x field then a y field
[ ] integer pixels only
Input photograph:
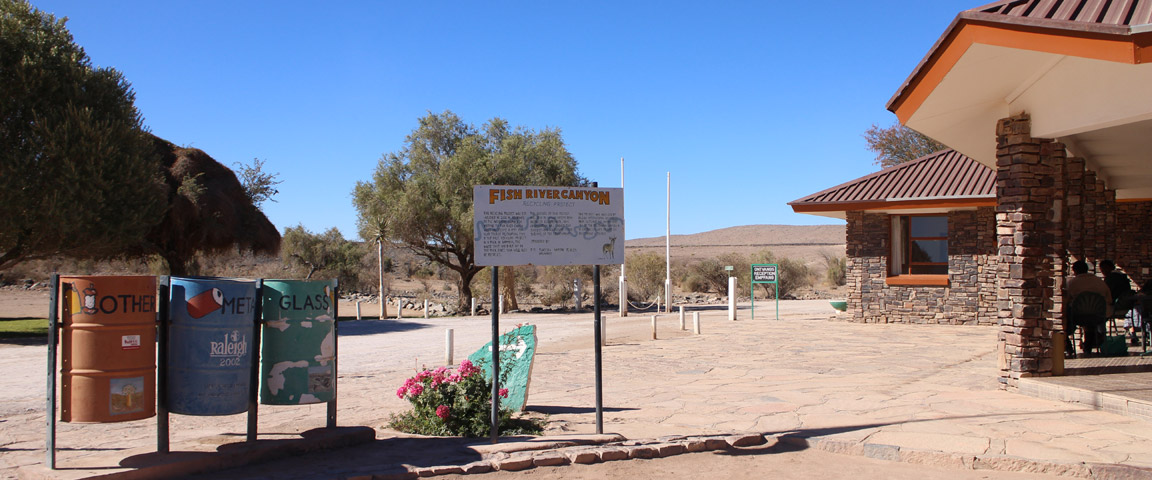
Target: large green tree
[
  {"x": 421, "y": 195},
  {"x": 77, "y": 173},
  {"x": 897, "y": 144}
]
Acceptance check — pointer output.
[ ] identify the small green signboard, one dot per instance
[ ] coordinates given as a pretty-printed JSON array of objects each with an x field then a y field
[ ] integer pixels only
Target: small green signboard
[
  {"x": 766, "y": 273},
  {"x": 517, "y": 352}
]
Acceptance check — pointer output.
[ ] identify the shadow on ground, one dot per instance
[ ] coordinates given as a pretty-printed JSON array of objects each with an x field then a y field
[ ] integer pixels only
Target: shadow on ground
[{"x": 349, "y": 328}]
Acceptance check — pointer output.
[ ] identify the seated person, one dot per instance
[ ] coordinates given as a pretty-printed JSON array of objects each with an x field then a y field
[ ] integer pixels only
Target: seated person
[
  {"x": 1120, "y": 286},
  {"x": 1081, "y": 282},
  {"x": 1135, "y": 319}
]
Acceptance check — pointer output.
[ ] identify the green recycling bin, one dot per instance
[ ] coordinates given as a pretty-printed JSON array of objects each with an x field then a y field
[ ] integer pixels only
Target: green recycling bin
[{"x": 298, "y": 347}]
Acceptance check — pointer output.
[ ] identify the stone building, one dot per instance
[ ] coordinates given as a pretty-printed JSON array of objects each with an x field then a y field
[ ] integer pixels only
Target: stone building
[
  {"x": 921, "y": 241},
  {"x": 1054, "y": 96}
]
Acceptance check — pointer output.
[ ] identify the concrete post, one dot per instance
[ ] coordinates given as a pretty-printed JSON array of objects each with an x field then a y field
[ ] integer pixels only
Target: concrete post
[
  {"x": 732, "y": 298},
  {"x": 681, "y": 317},
  {"x": 425, "y": 308},
  {"x": 654, "y": 327},
  {"x": 696, "y": 322},
  {"x": 448, "y": 344},
  {"x": 358, "y": 309},
  {"x": 473, "y": 306}
]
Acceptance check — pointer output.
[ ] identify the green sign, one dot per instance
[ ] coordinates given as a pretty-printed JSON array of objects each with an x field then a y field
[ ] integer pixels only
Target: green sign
[
  {"x": 298, "y": 358},
  {"x": 766, "y": 273},
  {"x": 517, "y": 352}
]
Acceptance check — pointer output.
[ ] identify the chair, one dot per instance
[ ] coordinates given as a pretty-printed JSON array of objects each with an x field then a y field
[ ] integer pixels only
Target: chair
[{"x": 1090, "y": 311}]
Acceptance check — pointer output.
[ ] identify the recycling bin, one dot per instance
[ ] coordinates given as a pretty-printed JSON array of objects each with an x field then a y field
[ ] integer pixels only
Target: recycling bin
[
  {"x": 210, "y": 345},
  {"x": 108, "y": 348},
  {"x": 298, "y": 342}
]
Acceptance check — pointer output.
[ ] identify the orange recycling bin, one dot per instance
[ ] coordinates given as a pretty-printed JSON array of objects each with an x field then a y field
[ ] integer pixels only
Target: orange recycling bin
[{"x": 108, "y": 348}]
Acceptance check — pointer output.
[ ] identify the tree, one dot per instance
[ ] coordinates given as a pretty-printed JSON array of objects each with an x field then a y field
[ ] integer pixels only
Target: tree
[
  {"x": 260, "y": 186},
  {"x": 328, "y": 253},
  {"x": 421, "y": 195},
  {"x": 77, "y": 172},
  {"x": 897, "y": 144}
]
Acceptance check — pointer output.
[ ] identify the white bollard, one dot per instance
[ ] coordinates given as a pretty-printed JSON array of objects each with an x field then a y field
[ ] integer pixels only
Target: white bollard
[
  {"x": 654, "y": 327},
  {"x": 696, "y": 322},
  {"x": 501, "y": 307},
  {"x": 473, "y": 306},
  {"x": 358, "y": 309},
  {"x": 448, "y": 346},
  {"x": 603, "y": 332},
  {"x": 681, "y": 317},
  {"x": 426, "y": 312},
  {"x": 399, "y": 308},
  {"x": 731, "y": 298},
  {"x": 383, "y": 306}
]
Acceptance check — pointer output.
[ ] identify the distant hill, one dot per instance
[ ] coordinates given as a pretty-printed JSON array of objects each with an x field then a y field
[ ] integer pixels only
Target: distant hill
[{"x": 804, "y": 242}]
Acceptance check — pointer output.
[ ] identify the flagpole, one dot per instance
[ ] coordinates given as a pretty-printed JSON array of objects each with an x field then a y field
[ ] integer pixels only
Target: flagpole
[
  {"x": 668, "y": 250},
  {"x": 623, "y": 287}
]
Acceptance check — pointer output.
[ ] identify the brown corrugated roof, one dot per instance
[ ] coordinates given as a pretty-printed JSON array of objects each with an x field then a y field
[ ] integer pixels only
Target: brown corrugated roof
[
  {"x": 943, "y": 178},
  {"x": 1092, "y": 15}
]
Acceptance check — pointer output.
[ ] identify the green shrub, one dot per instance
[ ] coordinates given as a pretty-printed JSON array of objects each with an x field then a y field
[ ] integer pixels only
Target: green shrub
[{"x": 836, "y": 268}]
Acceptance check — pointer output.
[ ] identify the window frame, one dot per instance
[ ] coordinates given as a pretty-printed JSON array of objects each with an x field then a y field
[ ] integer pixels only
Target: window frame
[{"x": 900, "y": 251}]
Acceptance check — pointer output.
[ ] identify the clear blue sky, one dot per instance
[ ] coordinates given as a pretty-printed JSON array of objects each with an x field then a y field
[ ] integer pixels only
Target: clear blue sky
[{"x": 749, "y": 105}]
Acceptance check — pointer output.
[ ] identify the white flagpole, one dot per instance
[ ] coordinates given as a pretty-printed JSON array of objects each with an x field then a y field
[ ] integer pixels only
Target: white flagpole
[
  {"x": 623, "y": 288},
  {"x": 668, "y": 250}
]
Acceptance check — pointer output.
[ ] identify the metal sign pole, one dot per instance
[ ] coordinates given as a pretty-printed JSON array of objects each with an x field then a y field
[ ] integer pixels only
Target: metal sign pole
[
  {"x": 335, "y": 352},
  {"x": 162, "y": 436},
  {"x": 598, "y": 350},
  {"x": 495, "y": 354},
  {"x": 254, "y": 372},
  {"x": 53, "y": 299},
  {"x": 752, "y": 277}
]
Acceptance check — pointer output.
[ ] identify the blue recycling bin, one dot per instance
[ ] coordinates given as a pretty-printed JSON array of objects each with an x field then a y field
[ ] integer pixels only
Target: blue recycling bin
[{"x": 210, "y": 345}]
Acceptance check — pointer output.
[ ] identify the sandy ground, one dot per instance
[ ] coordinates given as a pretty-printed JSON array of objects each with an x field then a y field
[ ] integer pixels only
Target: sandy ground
[{"x": 370, "y": 368}]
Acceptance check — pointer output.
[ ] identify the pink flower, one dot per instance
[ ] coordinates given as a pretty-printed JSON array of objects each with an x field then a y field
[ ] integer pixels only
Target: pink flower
[
  {"x": 415, "y": 390},
  {"x": 503, "y": 393},
  {"x": 467, "y": 368},
  {"x": 454, "y": 378},
  {"x": 442, "y": 412},
  {"x": 400, "y": 392}
]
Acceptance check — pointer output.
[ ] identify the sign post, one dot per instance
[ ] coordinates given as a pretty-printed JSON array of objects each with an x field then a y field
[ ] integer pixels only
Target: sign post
[
  {"x": 766, "y": 273},
  {"x": 539, "y": 225}
]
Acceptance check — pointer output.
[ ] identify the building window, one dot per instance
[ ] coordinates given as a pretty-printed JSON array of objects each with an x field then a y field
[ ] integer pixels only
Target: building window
[{"x": 919, "y": 245}]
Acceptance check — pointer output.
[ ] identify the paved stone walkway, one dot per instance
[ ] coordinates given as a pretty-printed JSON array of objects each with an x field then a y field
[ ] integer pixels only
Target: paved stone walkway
[{"x": 912, "y": 393}]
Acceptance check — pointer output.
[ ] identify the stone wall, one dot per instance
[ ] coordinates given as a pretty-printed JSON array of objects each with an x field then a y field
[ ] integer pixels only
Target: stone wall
[{"x": 969, "y": 297}]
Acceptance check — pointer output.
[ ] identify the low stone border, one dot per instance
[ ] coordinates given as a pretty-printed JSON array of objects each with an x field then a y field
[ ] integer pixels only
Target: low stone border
[{"x": 514, "y": 457}]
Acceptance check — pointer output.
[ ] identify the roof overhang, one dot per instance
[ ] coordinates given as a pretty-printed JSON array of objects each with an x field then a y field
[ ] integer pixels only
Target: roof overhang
[
  {"x": 921, "y": 205},
  {"x": 1086, "y": 85}
]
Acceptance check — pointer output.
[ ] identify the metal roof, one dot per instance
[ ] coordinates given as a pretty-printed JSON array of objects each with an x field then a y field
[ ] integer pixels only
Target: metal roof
[
  {"x": 1110, "y": 16},
  {"x": 943, "y": 176}
]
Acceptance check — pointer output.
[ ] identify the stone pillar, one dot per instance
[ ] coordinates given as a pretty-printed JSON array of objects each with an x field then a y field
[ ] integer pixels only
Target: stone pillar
[{"x": 1024, "y": 195}]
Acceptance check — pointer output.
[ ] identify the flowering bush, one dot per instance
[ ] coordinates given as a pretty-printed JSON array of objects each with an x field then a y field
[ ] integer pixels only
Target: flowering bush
[{"x": 446, "y": 402}]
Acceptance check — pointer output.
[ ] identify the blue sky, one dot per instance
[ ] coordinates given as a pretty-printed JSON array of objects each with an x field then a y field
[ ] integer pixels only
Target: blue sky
[{"x": 749, "y": 105}]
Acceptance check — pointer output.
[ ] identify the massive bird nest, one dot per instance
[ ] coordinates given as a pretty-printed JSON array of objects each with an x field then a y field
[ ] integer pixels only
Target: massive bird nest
[{"x": 208, "y": 211}]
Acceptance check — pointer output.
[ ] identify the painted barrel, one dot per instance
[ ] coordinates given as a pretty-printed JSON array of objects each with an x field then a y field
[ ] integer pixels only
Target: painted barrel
[
  {"x": 210, "y": 345},
  {"x": 298, "y": 342},
  {"x": 108, "y": 348}
]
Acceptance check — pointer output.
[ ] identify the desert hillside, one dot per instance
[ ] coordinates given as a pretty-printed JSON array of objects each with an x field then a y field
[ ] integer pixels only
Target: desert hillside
[{"x": 802, "y": 242}]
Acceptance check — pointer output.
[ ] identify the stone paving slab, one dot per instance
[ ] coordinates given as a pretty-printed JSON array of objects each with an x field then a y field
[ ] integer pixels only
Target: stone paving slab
[{"x": 913, "y": 393}]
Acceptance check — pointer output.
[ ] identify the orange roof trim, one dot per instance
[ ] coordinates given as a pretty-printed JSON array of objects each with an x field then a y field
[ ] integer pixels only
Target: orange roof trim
[{"x": 1024, "y": 24}]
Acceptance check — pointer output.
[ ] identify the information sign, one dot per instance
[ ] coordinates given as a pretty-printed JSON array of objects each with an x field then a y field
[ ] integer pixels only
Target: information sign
[
  {"x": 524, "y": 225},
  {"x": 765, "y": 273}
]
